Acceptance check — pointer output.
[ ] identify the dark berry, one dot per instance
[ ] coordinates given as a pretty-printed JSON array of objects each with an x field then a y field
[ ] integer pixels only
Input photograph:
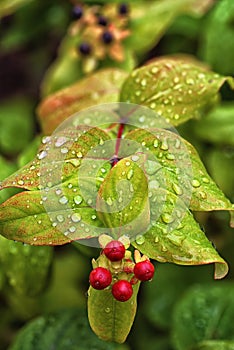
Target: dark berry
[
  {"x": 102, "y": 21},
  {"x": 123, "y": 9},
  {"x": 144, "y": 270},
  {"x": 114, "y": 251},
  {"x": 85, "y": 49},
  {"x": 122, "y": 290},
  {"x": 100, "y": 278},
  {"x": 77, "y": 12},
  {"x": 107, "y": 37}
]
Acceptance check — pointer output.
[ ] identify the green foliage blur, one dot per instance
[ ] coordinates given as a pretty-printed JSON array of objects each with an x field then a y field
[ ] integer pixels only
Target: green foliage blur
[{"x": 182, "y": 308}]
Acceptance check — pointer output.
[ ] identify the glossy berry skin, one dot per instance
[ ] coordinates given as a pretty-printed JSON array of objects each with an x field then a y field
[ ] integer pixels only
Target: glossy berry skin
[
  {"x": 100, "y": 278},
  {"x": 122, "y": 290},
  {"x": 144, "y": 270},
  {"x": 114, "y": 251}
]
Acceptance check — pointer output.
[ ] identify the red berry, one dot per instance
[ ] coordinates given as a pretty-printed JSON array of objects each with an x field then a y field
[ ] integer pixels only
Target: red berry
[
  {"x": 114, "y": 251},
  {"x": 122, "y": 290},
  {"x": 100, "y": 278},
  {"x": 144, "y": 270}
]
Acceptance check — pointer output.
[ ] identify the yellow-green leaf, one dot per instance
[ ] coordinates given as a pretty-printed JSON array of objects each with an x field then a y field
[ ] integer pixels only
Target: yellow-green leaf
[
  {"x": 176, "y": 88},
  {"x": 110, "y": 319}
]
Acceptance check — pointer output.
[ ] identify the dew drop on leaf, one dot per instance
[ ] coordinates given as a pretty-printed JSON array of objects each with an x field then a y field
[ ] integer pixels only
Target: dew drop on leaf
[
  {"x": 63, "y": 200},
  {"x": 78, "y": 199},
  {"x": 42, "y": 155},
  {"x": 140, "y": 239},
  {"x": 76, "y": 217},
  {"x": 196, "y": 183}
]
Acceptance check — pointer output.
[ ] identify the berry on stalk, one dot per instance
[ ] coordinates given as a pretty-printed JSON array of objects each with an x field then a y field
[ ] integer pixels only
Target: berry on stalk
[
  {"x": 77, "y": 12},
  {"x": 122, "y": 290},
  {"x": 107, "y": 37},
  {"x": 114, "y": 251},
  {"x": 144, "y": 270},
  {"x": 85, "y": 49},
  {"x": 100, "y": 278}
]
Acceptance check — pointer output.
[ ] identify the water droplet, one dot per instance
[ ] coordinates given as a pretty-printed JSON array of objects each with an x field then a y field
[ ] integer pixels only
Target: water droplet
[
  {"x": 20, "y": 182},
  {"x": 135, "y": 158},
  {"x": 93, "y": 217},
  {"x": 164, "y": 249},
  {"x": 109, "y": 201},
  {"x": 70, "y": 185},
  {"x": 45, "y": 139},
  {"x": 140, "y": 239},
  {"x": 78, "y": 199},
  {"x": 130, "y": 174},
  {"x": 72, "y": 229},
  {"x": 42, "y": 155},
  {"x": 175, "y": 239},
  {"x": 203, "y": 195},
  {"x": 101, "y": 142},
  {"x": 60, "y": 141},
  {"x": 176, "y": 80},
  {"x": 154, "y": 184},
  {"x": 79, "y": 155},
  {"x": 205, "y": 180},
  {"x": 152, "y": 105},
  {"x": 177, "y": 189},
  {"x": 58, "y": 191},
  {"x": 107, "y": 310},
  {"x": 138, "y": 93},
  {"x": 196, "y": 183},
  {"x": 54, "y": 224},
  {"x": 167, "y": 218},
  {"x": 164, "y": 145},
  {"x": 103, "y": 170},
  {"x": 142, "y": 119},
  {"x": 64, "y": 150},
  {"x": 76, "y": 217},
  {"x": 170, "y": 156},
  {"x": 156, "y": 239},
  {"x": 156, "y": 143},
  {"x": 143, "y": 82},
  {"x": 60, "y": 218},
  {"x": 190, "y": 81},
  {"x": 127, "y": 163},
  {"x": 154, "y": 70},
  {"x": 63, "y": 200}
]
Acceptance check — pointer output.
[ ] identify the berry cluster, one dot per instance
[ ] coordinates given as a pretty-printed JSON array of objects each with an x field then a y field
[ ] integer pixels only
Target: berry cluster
[{"x": 101, "y": 277}]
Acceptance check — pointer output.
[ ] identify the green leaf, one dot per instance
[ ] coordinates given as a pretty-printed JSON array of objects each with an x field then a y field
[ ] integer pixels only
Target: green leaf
[
  {"x": 123, "y": 203},
  {"x": 177, "y": 89},
  {"x": 27, "y": 217},
  {"x": 168, "y": 286},
  {"x": 204, "y": 313},
  {"x": 6, "y": 168},
  {"x": 86, "y": 93},
  {"x": 15, "y": 119},
  {"x": 110, "y": 319},
  {"x": 64, "y": 330},
  {"x": 220, "y": 164},
  {"x": 219, "y": 29},
  {"x": 26, "y": 267},
  {"x": 9, "y": 6},
  {"x": 215, "y": 344},
  {"x": 217, "y": 127},
  {"x": 176, "y": 237},
  {"x": 159, "y": 15},
  {"x": 175, "y": 165}
]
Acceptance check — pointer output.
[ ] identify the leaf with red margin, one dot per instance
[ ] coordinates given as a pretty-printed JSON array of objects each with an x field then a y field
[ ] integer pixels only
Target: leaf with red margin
[
  {"x": 102, "y": 87},
  {"x": 176, "y": 88}
]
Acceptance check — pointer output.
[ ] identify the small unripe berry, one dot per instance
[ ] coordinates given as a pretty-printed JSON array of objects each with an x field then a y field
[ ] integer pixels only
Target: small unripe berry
[
  {"x": 77, "y": 12},
  {"x": 114, "y": 251},
  {"x": 144, "y": 270},
  {"x": 100, "y": 278},
  {"x": 107, "y": 37},
  {"x": 85, "y": 49},
  {"x": 122, "y": 290}
]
